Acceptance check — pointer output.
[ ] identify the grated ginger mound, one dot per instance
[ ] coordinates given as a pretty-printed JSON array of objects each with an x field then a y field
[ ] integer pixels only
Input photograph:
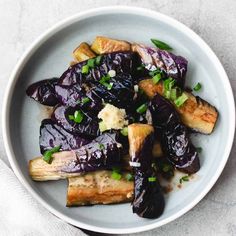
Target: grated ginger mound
[{"x": 113, "y": 117}]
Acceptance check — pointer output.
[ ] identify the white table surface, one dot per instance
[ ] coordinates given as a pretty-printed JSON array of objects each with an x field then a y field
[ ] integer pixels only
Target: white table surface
[{"x": 22, "y": 21}]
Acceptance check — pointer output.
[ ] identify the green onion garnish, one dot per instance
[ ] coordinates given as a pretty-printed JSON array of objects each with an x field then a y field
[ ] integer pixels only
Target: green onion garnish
[
  {"x": 102, "y": 126},
  {"x": 109, "y": 86},
  {"x": 154, "y": 72},
  {"x": 142, "y": 108},
  {"x": 156, "y": 78},
  {"x": 101, "y": 146},
  {"x": 181, "y": 100},
  {"x": 116, "y": 173},
  {"x": 85, "y": 100},
  {"x": 173, "y": 94},
  {"x": 91, "y": 62},
  {"x": 98, "y": 60},
  {"x": 197, "y": 87},
  {"x": 85, "y": 69},
  {"x": 199, "y": 149},
  {"x": 116, "y": 176},
  {"x": 168, "y": 84},
  {"x": 77, "y": 117},
  {"x": 161, "y": 44},
  {"x": 152, "y": 179},
  {"x": 184, "y": 178},
  {"x": 129, "y": 177},
  {"x": 124, "y": 131},
  {"x": 47, "y": 156}
]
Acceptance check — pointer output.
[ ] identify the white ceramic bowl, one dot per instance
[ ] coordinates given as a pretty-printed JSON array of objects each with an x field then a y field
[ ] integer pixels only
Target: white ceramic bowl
[{"x": 49, "y": 56}]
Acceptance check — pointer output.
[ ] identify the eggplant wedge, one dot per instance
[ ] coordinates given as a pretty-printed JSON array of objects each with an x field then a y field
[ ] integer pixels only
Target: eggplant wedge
[
  {"x": 83, "y": 52},
  {"x": 98, "y": 187},
  {"x": 148, "y": 199},
  {"x": 175, "y": 140},
  {"x": 195, "y": 113},
  {"x": 102, "y": 153},
  {"x": 103, "y": 45}
]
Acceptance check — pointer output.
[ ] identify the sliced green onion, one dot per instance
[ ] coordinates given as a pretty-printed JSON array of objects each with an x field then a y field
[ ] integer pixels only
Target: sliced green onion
[
  {"x": 47, "y": 156},
  {"x": 167, "y": 94},
  {"x": 181, "y": 100},
  {"x": 199, "y": 149},
  {"x": 101, "y": 146},
  {"x": 109, "y": 86},
  {"x": 154, "y": 72},
  {"x": 168, "y": 84},
  {"x": 156, "y": 78},
  {"x": 197, "y": 87},
  {"x": 129, "y": 177},
  {"x": 77, "y": 117},
  {"x": 184, "y": 178},
  {"x": 116, "y": 169},
  {"x": 173, "y": 94},
  {"x": 161, "y": 44},
  {"x": 152, "y": 179},
  {"x": 116, "y": 175},
  {"x": 85, "y": 69},
  {"x": 124, "y": 131},
  {"x": 112, "y": 73},
  {"x": 91, "y": 62},
  {"x": 136, "y": 88},
  {"x": 98, "y": 60},
  {"x": 85, "y": 100},
  {"x": 102, "y": 126},
  {"x": 142, "y": 108}
]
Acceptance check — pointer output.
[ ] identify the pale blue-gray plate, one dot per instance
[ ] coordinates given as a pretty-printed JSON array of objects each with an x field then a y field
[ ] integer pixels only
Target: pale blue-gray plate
[{"x": 50, "y": 55}]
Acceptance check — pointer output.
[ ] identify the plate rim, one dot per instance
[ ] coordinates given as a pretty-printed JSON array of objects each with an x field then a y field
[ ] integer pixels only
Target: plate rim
[{"x": 65, "y": 23}]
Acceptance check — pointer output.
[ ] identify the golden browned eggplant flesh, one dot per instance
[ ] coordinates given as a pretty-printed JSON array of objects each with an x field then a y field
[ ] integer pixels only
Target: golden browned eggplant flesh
[
  {"x": 195, "y": 113},
  {"x": 98, "y": 187}
]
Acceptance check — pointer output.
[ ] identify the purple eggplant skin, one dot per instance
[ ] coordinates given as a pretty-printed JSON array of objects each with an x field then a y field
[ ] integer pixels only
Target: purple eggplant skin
[
  {"x": 89, "y": 126},
  {"x": 102, "y": 153},
  {"x": 148, "y": 198},
  {"x": 121, "y": 62},
  {"x": 175, "y": 140},
  {"x": 44, "y": 92},
  {"x": 52, "y": 135},
  {"x": 170, "y": 64}
]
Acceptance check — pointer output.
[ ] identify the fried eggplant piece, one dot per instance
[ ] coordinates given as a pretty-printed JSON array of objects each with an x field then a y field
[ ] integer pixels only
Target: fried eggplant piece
[
  {"x": 83, "y": 52},
  {"x": 103, "y": 45},
  {"x": 195, "y": 113},
  {"x": 102, "y": 153},
  {"x": 98, "y": 187},
  {"x": 175, "y": 140},
  {"x": 148, "y": 198}
]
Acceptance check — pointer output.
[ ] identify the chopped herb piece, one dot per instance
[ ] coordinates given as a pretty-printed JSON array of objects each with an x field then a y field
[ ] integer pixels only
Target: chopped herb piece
[
  {"x": 152, "y": 179},
  {"x": 124, "y": 131},
  {"x": 154, "y": 72},
  {"x": 197, "y": 87},
  {"x": 116, "y": 169},
  {"x": 116, "y": 175},
  {"x": 101, "y": 146},
  {"x": 184, "y": 178},
  {"x": 156, "y": 78},
  {"x": 167, "y": 94},
  {"x": 181, "y": 100},
  {"x": 142, "y": 108},
  {"x": 168, "y": 84},
  {"x": 91, "y": 63},
  {"x": 129, "y": 177},
  {"x": 102, "y": 126},
  {"x": 199, "y": 149},
  {"x": 47, "y": 156},
  {"x": 98, "y": 60},
  {"x": 173, "y": 94},
  {"x": 77, "y": 117},
  {"x": 109, "y": 86},
  {"x": 85, "y": 69},
  {"x": 161, "y": 44},
  {"x": 85, "y": 100}
]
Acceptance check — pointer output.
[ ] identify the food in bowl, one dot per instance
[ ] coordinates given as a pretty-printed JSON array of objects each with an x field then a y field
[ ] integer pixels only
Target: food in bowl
[{"x": 121, "y": 121}]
